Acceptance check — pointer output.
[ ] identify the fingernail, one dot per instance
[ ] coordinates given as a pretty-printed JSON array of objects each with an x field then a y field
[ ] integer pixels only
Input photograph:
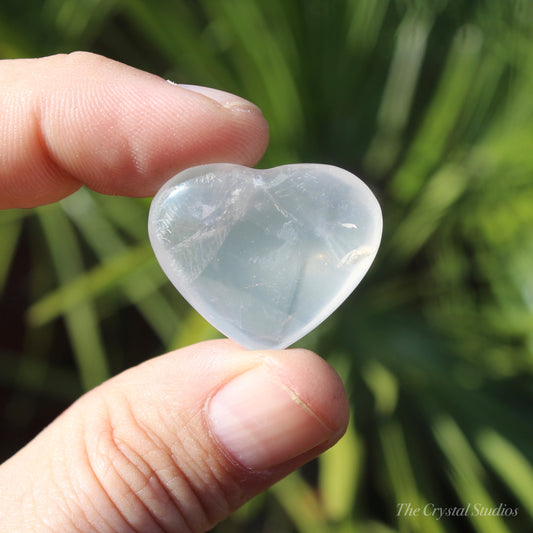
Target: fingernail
[
  {"x": 261, "y": 423},
  {"x": 227, "y": 100}
]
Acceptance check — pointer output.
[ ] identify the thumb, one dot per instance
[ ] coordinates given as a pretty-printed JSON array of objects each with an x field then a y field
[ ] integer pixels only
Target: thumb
[{"x": 176, "y": 443}]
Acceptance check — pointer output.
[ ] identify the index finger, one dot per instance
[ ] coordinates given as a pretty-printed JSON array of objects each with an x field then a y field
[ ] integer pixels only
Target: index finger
[{"x": 82, "y": 119}]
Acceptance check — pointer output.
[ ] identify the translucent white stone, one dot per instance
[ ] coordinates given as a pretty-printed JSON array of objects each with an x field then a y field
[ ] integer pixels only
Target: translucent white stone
[{"x": 265, "y": 255}]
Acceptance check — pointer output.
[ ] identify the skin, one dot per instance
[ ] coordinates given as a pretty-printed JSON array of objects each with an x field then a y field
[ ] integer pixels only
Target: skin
[{"x": 153, "y": 449}]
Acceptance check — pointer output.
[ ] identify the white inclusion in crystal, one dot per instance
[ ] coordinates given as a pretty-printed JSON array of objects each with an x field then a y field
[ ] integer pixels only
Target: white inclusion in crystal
[
  {"x": 352, "y": 257},
  {"x": 265, "y": 255}
]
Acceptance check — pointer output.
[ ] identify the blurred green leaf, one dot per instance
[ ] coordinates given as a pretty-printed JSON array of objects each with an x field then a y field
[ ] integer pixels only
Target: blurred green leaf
[
  {"x": 510, "y": 464},
  {"x": 9, "y": 235},
  {"x": 81, "y": 319},
  {"x": 301, "y": 504},
  {"x": 443, "y": 115},
  {"x": 340, "y": 476},
  {"x": 89, "y": 284},
  {"x": 467, "y": 475}
]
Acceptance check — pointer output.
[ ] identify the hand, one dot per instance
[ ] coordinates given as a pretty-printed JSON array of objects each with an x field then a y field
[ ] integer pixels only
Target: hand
[{"x": 180, "y": 441}]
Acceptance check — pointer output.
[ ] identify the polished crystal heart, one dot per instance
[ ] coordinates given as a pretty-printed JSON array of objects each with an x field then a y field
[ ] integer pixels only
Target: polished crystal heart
[{"x": 265, "y": 255}]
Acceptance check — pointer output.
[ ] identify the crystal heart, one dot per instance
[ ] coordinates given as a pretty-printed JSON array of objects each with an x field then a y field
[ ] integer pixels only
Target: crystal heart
[{"x": 265, "y": 255}]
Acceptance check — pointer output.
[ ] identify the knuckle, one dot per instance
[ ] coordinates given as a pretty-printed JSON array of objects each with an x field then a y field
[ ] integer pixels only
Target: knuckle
[
  {"x": 83, "y": 58},
  {"x": 156, "y": 482}
]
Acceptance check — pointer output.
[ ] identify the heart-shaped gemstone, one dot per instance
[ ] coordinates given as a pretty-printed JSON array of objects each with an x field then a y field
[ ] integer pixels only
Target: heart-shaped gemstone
[{"x": 265, "y": 255}]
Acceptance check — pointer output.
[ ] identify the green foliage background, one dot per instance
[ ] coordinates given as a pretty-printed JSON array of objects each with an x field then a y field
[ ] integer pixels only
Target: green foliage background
[{"x": 431, "y": 103}]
